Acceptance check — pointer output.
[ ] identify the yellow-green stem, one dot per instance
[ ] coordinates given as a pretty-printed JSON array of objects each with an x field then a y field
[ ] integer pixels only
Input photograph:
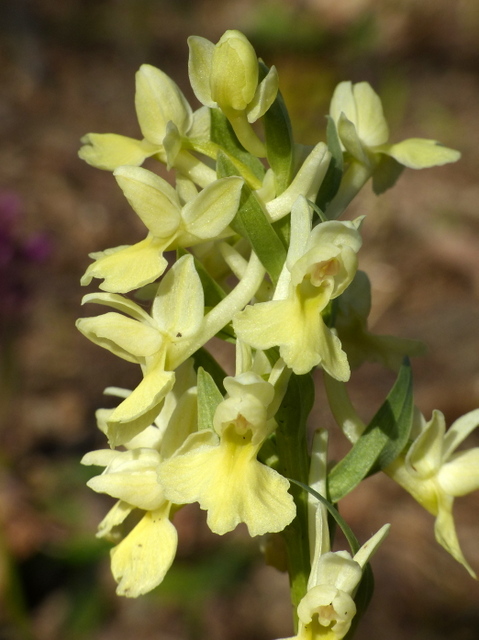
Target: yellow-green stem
[{"x": 294, "y": 463}]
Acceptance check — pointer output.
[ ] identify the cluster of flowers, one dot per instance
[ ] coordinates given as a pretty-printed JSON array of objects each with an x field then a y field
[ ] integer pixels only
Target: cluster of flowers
[{"x": 262, "y": 261}]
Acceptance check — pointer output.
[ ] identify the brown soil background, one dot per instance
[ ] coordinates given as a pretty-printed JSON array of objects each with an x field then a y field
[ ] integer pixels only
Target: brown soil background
[{"x": 67, "y": 68}]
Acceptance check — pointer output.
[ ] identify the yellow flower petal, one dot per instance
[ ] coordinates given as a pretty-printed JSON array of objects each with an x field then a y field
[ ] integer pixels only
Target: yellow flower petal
[
  {"x": 158, "y": 99},
  {"x": 109, "y": 150},
  {"x": 132, "y": 477},
  {"x": 153, "y": 199},
  {"x": 306, "y": 182},
  {"x": 234, "y": 71},
  {"x": 459, "y": 430},
  {"x": 128, "y": 268},
  {"x": 445, "y": 532},
  {"x": 140, "y": 562},
  {"x": 460, "y": 475},
  {"x": 328, "y": 610},
  {"x": 351, "y": 141},
  {"x": 207, "y": 215},
  {"x": 371, "y": 123},
  {"x": 141, "y": 407},
  {"x": 199, "y": 68},
  {"x": 125, "y": 337},
  {"x": 120, "y": 303},
  {"x": 343, "y": 101},
  {"x": 419, "y": 153},
  {"x": 296, "y": 326},
  {"x": 178, "y": 307},
  {"x": 264, "y": 96},
  {"x": 108, "y": 527},
  {"x": 232, "y": 486},
  {"x": 361, "y": 105}
]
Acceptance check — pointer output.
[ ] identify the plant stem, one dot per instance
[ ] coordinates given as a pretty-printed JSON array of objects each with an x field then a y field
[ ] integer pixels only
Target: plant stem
[
  {"x": 353, "y": 181},
  {"x": 294, "y": 463}
]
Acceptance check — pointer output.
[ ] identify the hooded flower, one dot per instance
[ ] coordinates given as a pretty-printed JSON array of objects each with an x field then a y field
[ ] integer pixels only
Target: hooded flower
[
  {"x": 149, "y": 340},
  {"x": 364, "y": 133},
  {"x": 218, "y": 468},
  {"x": 166, "y": 122},
  {"x": 434, "y": 473},
  {"x": 170, "y": 225},
  {"x": 328, "y": 608},
  {"x": 163, "y": 112},
  {"x": 320, "y": 265}
]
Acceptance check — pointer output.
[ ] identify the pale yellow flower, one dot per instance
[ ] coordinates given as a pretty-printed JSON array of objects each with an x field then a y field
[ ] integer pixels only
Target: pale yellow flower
[
  {"x": 306, "y": 182},
  {"x": 434, "y": 473},
  {"x": 165, "y": 119},
  {"x": 364, "y": 133},
  {"x": 151, "y": 341},
  {"x": 327, "y": 609},
  {"x": 141, "y": 559},
  {"x": 219, "y": 469},
  {"x": 170, "y": 223},
  {"x": 320, "y": 265}
]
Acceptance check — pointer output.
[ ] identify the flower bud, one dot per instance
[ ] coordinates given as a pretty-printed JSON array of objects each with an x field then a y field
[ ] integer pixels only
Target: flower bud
[{"x": 234, "y": 72}]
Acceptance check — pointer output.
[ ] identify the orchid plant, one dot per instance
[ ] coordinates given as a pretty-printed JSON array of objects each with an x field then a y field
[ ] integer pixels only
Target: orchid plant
[{"x": 244, "y": 242}]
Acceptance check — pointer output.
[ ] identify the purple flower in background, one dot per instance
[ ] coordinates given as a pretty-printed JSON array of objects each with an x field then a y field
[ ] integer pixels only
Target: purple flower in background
[{"x": 17, "y": 255}]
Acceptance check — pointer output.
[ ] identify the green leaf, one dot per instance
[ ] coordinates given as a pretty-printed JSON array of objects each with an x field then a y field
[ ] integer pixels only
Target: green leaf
[
  {"x": 222, "y": 133},
  {"x": 332, "y": 179},
  {"x": 203, "y": 358},
  {"x": 209, "y": 397},
  {"x": 279, "y": 139},
  {"x": 382, "y": 441},
  {"x": 251, "y": 223}
]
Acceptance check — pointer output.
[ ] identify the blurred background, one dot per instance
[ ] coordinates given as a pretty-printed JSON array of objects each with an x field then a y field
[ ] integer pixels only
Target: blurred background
[{"x": 67, "y": 68}]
